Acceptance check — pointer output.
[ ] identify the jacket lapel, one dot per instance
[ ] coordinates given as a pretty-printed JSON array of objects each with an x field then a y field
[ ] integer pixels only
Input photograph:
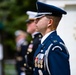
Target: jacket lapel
[{"x": 43, "y": 44}]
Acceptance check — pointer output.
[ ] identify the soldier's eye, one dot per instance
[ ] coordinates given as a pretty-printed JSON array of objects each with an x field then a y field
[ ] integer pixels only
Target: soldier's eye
[{"x": 36, "y": 20}]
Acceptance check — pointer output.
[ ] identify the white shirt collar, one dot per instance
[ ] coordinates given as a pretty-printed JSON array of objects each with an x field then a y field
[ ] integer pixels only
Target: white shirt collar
[{"x": 45, "y": 36}]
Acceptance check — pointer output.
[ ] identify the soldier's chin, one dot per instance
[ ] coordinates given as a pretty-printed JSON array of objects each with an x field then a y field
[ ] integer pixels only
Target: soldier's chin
[
  {"x": 37, "y": 30},
  {"x": 28, "y": 31}
]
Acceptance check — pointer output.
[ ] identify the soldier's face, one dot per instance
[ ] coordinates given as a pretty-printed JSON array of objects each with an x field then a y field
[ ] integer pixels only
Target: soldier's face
[
  {"x": 31, "y": 27},
  {"x": 42, "y": 24},
  {"x": 21, "y": 36}
]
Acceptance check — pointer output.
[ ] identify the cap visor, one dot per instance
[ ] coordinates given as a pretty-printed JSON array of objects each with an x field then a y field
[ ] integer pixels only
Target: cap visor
[{"x": 38, "y": 16}]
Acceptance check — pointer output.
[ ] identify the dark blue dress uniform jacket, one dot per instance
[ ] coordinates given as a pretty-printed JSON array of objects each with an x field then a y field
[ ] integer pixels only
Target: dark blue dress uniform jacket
[{"x": 52, "y": 57}]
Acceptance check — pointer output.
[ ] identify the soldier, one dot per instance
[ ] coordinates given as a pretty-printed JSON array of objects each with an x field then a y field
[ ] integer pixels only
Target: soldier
[
  {"x": 51, "y": 57},
  {"x": 36, "y": 37},
  {"x": 21, "y": 47}
]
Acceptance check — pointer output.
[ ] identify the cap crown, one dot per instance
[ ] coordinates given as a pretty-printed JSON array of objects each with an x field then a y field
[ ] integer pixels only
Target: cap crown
[
  {"x": 53, "y": 10},
  {"x": 31, "y": 14}
]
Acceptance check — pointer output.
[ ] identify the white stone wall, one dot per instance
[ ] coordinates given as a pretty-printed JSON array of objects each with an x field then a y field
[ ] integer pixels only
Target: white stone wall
[{"x": 67, "y": 28}]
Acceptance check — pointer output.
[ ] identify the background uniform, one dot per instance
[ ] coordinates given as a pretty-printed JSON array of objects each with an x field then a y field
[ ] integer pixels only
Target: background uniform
[
  {"x": 20, "y": 59},
  {"x": 30, "y": 53},
  {"x": 21, "y": 47},
  {"x": 36, "y": 38}
]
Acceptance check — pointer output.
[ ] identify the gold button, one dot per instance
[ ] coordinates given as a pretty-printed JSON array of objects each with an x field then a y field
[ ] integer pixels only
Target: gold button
[
  {"x": 30, "y": 67},
  {"x": 31, "y": 41},
  {"x": 39, "y": 35},
  {"x": 27, "y": 52},
  {"x": 24, "y": 64}
]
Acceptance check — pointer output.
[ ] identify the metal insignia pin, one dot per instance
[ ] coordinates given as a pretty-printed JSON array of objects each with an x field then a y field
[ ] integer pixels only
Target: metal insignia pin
[{"x": 41, "y": 50}]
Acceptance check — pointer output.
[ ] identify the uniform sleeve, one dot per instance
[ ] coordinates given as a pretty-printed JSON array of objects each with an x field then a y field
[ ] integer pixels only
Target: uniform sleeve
[
  {"x": 24, "y": 49},
  {"x": 58, "y": 60}
]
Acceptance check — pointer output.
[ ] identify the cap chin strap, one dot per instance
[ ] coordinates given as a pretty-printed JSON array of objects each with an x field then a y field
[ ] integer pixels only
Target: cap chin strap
[{"x": 44, "y": 13}]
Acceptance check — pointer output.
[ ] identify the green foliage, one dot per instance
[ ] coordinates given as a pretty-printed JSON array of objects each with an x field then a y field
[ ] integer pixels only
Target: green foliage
[
  {"x": 9, "y": 67},
  {"x": 13, "y": 16}
]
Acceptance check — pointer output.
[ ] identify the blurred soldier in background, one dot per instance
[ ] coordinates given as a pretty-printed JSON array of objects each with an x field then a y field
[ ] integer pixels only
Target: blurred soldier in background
[
  {"x": 21, "y": 47},
  {"x": 36, "y": 37}
]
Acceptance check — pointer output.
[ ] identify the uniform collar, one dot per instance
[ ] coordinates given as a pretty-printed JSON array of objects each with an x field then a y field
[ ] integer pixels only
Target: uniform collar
[
  {"x": 34, "y": 34},
  {"x": 45, "y": 36},
  {"x": 45, "y": 40}
]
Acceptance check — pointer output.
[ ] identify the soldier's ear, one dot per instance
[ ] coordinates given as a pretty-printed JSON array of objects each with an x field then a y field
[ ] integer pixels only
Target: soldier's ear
[{"x": 50, "y": 22}]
